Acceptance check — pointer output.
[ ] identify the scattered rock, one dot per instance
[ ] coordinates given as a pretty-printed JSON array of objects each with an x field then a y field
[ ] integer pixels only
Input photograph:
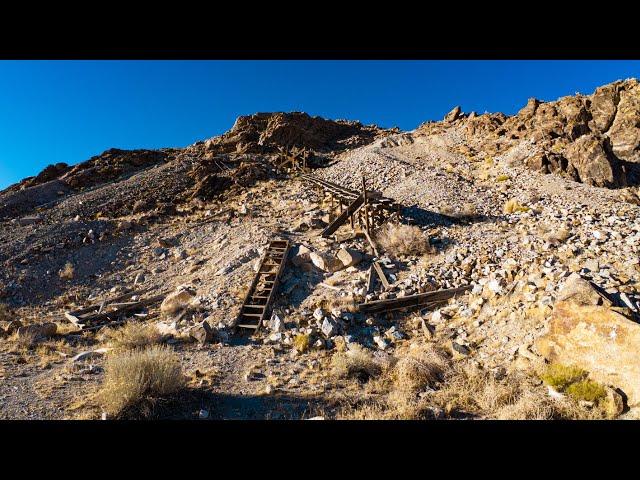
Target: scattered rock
[
  {"x": 177, "y": 301},
  {"x": 349, "y": 257},
  {"x": 202, "y": 332}
]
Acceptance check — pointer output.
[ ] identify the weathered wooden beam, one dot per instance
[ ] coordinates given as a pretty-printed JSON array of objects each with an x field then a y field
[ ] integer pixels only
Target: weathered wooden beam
[
  {"x": 419, "y": 300},
  {"x": 370, "y": 280},
  {"x": 372, "y": 243},
  {"x": 383, "y": 278},
  {"x": 342, "y": 218}
]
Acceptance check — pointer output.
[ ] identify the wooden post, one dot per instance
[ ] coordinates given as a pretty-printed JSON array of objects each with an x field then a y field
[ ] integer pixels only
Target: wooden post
[{"x": 366, "y": 207}]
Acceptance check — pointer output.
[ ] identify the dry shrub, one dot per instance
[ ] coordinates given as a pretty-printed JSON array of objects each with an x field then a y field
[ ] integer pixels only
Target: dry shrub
[
  {"x": 357, "y": 362},
  {"x": 514, "y": 397},
  {"x": 347, "y": 303},
  {"x": 424, "y": 366},
  {"x": 67, "y": 271},
  {"x": 538, "y": 405},
  {"x": 512, "y": 206},
  {"x": 399, "y": 239},
  {"x": 131, "y": 336},
  {"x": 23, "y": 343},
  {"x": 134, "y": 380}
]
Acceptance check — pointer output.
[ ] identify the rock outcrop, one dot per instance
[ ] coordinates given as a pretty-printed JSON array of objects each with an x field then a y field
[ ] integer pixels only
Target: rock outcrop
[
  {"x": 594, "y": 139},
  {"x": 585, "y": 331},
  {"x": 264, "y": 132}
]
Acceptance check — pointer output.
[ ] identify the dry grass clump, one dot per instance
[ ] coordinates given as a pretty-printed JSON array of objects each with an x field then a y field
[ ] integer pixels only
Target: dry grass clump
[
  {"x": 134, "y": 380},
  {"x": 502, "y": 178},
  {"x": 514, "y": 397},
  {"x": 512, "y": 206},
  {"x": 357, "y": 362},
  {"x": 424, "y": 366},
  {"x": 67, "y": 271},
  {"x": 347, "y": 303},
  {"x": 399, "y": 239},
  {"x": 301, "y": 342},
  {"x": 573, "y": 381},
  {"x": 23, "y": 343},
  {"x": 131, "y": 336},
  {"x": 463, "y": 390},
  {"x": 561, "y": 376}
]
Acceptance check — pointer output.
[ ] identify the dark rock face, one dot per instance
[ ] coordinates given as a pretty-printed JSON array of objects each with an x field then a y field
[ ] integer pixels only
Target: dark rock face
[
  {"x": 264, "y": 132},
  {"x": 593, "y": 139},
  {"x": 593, "y": 162},
  {"x": 110, "y": 165}
]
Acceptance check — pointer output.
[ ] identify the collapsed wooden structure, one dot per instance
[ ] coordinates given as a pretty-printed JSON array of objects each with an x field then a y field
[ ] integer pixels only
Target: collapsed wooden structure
[
  {"x": 294, "y": 159},
  {"x": 256, "y": 306},
  {"x": 369, "y": 209},
  {"x": 110, "y": 311}
]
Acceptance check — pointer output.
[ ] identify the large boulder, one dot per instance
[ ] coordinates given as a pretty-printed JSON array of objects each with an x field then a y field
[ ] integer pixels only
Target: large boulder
[
  {"x": 453, "y": 115},
  {"x": 581, "y": 292},
  {"x": 325, "y": 262},
  {"x": 604, "y": 104},
  {"x": 597, "y": 339},
  {"x": 177, "y": 301},
  {"x": 349, "y": 257},
  {"x": 301, "y": 256},
  {"x": 594, "y": 164},
  {"x": 625, "y": 130}
]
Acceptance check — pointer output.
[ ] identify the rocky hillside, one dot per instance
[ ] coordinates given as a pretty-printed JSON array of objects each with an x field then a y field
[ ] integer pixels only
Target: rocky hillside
[
  {"x": 592, "y": 139},
  {"x": 535, "y": 215}
]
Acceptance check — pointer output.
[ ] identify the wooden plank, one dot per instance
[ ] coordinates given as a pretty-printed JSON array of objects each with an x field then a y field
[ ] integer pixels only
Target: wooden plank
[
  {"x": 410, "y": 301},
  {"x": 97, "y": 306},
  {"x": 125, "y": 309},
  {"x": 372, "y": 243},
  {"x": 383, "y": 278},
  {"x": 370, "y": 280}
]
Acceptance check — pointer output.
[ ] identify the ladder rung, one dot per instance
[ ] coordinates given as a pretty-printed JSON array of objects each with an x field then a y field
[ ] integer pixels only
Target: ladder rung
[
  {"x": 244, "y": 325},
  {"x": 251, "y": 315},
  {"x": 254, "y": 306}
]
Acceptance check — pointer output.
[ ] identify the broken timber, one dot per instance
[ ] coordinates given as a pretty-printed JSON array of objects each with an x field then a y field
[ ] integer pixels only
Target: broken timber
[
  {"x": 350, "y": 210},
  {"x": 428, "y": 299},
  {"x": 383, "y": 278},
  {"x": 257, "y": 303},
  {"x": 109, "y": 309}
]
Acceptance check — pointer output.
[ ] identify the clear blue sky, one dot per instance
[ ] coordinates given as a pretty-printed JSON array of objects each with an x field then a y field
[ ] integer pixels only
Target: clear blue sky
[{"x": 68, "y": 111}]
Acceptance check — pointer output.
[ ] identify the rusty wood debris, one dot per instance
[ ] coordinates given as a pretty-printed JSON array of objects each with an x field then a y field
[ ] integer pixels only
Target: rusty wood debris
[
  {"x": 257, "y": 303},
  {"x": 428, "y": 299},
  {"x": 109, "y": 310}
]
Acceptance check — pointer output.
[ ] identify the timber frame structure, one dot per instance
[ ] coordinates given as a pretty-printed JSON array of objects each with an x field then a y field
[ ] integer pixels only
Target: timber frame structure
[{"x": 369, "y": 209}]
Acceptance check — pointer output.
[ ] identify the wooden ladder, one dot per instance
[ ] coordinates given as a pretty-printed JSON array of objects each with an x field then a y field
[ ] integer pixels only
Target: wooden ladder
[{"x": 257, "y": 304}]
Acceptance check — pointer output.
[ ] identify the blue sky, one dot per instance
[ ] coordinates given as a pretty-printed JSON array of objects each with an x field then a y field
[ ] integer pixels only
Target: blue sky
[{"x": 68, "y": 111}]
